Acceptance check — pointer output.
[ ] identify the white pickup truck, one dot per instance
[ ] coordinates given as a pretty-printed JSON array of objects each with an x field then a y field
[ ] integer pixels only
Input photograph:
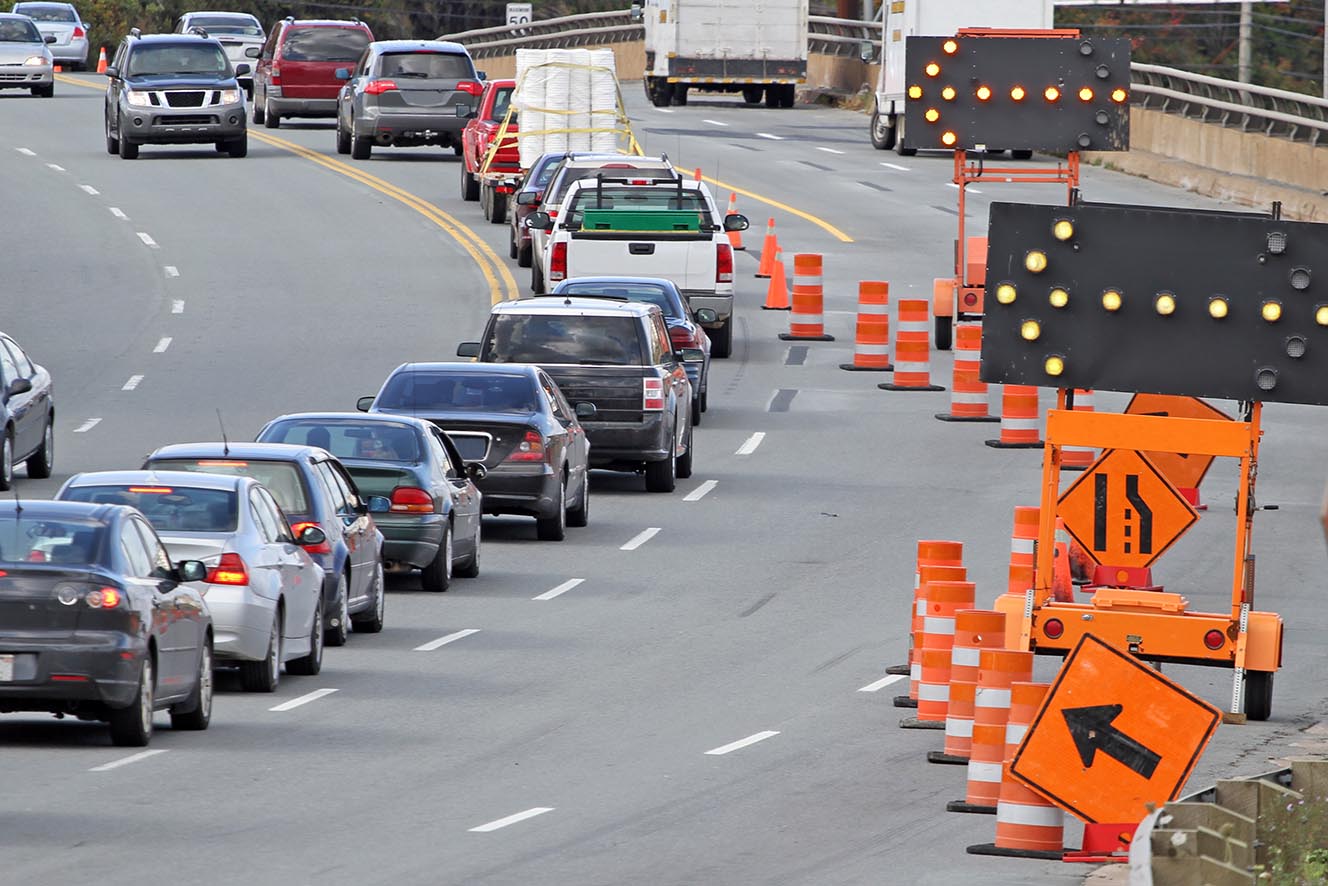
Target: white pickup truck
[{"x": 647, "y": 225}]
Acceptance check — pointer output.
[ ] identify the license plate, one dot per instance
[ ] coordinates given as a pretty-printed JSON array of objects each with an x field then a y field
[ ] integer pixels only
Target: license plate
[{"x": 6, "y": 668}]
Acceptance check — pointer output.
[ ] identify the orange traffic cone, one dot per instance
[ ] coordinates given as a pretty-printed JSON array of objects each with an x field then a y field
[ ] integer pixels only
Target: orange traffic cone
[
  {"x": 768, "y": 249},
  {"x": 696, "y": 173},
  {"x": 59, "y": 69},
  {"x": 777, "y": 293},
  {"x": 101, "y": 61},
  {"x": 735, "y": 237}
]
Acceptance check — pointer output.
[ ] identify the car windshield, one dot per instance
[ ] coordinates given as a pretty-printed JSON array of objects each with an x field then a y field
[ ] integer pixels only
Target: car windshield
[
  {"x": 628, "y": 197},
  {"x": 280, "y": 477},
  {"x": 448, "y": 391},
  {"x": 16, "y": 30},
  {"x": 570, "y": 174},
  {"x": 376, "y": 440},
  {"x": 426, "y": 65},
  {"x": 324, "y": 44},
  {"x": 153, "y": 60},
  {"x": 237, "y": 25},
  {"x": 643, "y": 292},
  {"x": 46, "y": 13},
  {"x": 37, "y": 540},
  {"x": 169, "y": 508},
  {"x": 564, "y": 338}
]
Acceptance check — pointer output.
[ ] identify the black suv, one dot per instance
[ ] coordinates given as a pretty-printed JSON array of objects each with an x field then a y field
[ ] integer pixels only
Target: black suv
[
  {"x": 613, "y": 354},
  {"x": 171, "y": 89}
]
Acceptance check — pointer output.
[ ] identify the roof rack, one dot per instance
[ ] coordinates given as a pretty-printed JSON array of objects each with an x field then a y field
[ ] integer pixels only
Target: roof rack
[
  {"x": 198, "y": 30},
  {"x": 135, "y": 32}
]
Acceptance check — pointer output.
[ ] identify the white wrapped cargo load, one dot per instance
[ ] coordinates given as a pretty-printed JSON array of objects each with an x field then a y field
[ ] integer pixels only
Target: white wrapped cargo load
[{"x": 568, "y": 100}]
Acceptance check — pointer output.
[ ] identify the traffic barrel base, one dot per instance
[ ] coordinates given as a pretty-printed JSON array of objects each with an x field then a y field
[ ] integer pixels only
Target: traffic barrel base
[
  {"x": 898, "y": 670},
  {"x": 943, "y": 757},
  {"x": 993, "y": 849},
  {"x": 971, "y": 808},
  {"x": 903, "y": 701},
  {"x": 915, "y": 723}
]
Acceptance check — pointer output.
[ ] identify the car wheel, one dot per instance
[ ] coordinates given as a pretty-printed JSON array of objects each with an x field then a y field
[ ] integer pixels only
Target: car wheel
[
  {"x": 343, "y": 140},
  {"x": 238, "y": 147},
  {"x": 436, "y": 577},
  {"x": 7, "y": 461},
  {"x": 684, "y": 468},
  {"x": 471, "y": 568},
  {"x": 679, "y": 95},
  {"x": 44, "y": 91},
  {"x": 112, "y": 141},
  {"x": 752, "y": 94},
  {"x": 128, "y": 150},
  {"x": 339, "y": 633},
  {"x": 497, "y": 208},
  {"x": 512, "y": 249},
  {"x": 536, "y": 279},
  {"x": 198, "y": 709},
  {"x": 41, "y": 462},
  {"x": 259, "y": 111},
  {"x": 131, "y": 727},
  {"x": 270, "y": 119},
  {"x": 882, "y": 133},
  {"x": 579, "y": 515},
  {"x": 220, "y": 147},
  {"x": 309, "y": 665},
  {"x": 1021, "y": 154},
  {"x": 373, "y": 623},
  {"x": 661, "y": 476},
  {"x": 705, "y": 399},
  {"x": 944, "y": 333},
  {"x": 456, "y": 149},
  {"x": 696, "y": 410},
  {"x": 360, "y": 147},
  {"x": 470, "y": 188},
  {"x": 525, "y": 256},
  {"x": 553, "y": 525},
  {"x": 1258, "y": 694},
  {"x": 263, "y": 676},
  {"x": 721, "y": 339}
]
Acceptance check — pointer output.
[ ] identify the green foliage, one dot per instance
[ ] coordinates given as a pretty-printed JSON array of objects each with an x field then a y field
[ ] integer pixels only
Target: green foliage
[{"x": 1296, "y": 844}]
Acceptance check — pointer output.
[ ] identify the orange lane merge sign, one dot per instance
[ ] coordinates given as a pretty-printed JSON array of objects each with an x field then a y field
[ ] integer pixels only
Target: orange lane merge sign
[
  {"x": 1185, "y": 471},
  {"x": 1112, "y": 736},
  {"x": 1123, "y": 512}
]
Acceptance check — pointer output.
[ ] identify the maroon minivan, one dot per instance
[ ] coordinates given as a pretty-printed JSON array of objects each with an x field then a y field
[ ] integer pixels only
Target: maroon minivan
[{"x": 296, "y": 73}]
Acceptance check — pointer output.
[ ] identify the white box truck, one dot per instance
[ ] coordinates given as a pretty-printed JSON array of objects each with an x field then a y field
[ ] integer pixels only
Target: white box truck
[
  {"x": 934, "y": 18},
  {"x": 756, "y": 47}
]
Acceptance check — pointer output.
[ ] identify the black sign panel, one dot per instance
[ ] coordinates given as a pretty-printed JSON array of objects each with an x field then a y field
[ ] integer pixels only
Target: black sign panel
[
  {"x": 1038, "y": 93},
  {"x": 1157, "y": 300}
]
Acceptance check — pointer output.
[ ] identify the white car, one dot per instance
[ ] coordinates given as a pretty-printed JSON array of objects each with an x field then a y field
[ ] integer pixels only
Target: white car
[
  {"x": 61, "y": 21},
  {"x": 262, "y": 588},
  {"x": 25, "y": 63},
  {"x": 237, "y": 32}
]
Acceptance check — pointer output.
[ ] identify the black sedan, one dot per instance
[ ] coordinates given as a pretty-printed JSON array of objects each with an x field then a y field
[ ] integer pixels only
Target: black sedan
[
  {"x": 512, "y": 419},
  {"x": 95, "y": 620},
  {"x": 27, "y": 414}
]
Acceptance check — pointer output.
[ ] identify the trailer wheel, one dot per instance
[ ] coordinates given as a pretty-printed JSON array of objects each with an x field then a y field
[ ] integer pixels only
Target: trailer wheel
[
  {"x": 497, "y": 207},
  {"x": 944, "y": 333},
  {"x": 752, "y": 94},
  {"x": 1258, "y": 695},
  {"x": 1021, "y": 154}
]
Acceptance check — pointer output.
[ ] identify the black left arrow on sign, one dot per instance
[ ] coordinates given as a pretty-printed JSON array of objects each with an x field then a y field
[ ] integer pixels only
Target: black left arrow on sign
[{"x": 1092, "y": 731}]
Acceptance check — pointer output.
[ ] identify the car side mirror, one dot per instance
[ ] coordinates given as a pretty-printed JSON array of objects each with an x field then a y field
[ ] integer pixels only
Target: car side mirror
[
  {"x": 867, "y": 51},
  {"x": 364, "y": 403},
  {"x": 253, "y": 52},
  {"x": 527, "y": 198},
  {"x": 736, "y": 222},
  {"x": 242, "y": 68},
  {"x": 18, "y": 386},
  {"x": 468, "y": 349},
  {"x": 690, "y": 355},
  {"x": 586, "y": 410},
  {"x": 476, "y": 471},
  {"x": 191, "y": 570},
  {"x": 49, "y": 38},
  {"x": 342, "y": 73},
  {"x": 310, "y": 536},
  {"x": 540, "y": 221},
  {"x": 706, "y": 315},
  {"x": 636, "y": 12},
  {"x": 112, "y": 72},
  {"x": 481, "y": 75},
  {"x": 379, "y": 504}
]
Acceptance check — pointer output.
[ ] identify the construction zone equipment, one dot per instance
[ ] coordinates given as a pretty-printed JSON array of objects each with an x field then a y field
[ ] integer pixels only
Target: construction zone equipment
[
  {"x": 1077, "y": 458},
  {"x": 776, "y": 291},
  {"x": 912, "y": 349},
  {"x": 769, "y": 246},
  {"x": 998, "y": 669},
  {"x": 871, "y": 342},
  {"x": 807, "y": 317},
  {"x": 926, "y": 575},
  {"x": 975, "y": 630},
  {"x": 101, "y": 61},
  {"x": 1186, "y": 470},
  {"x": 968, "y": 397},
  {"x": 930, "y": 552},
  {"x": 1019, "y": 419},
  {"x": 735, "y": 236},
  {"x": 944, "y": 599}
]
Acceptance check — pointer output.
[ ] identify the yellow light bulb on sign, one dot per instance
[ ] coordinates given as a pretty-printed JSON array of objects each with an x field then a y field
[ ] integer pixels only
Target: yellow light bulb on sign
[
  {"x": 983, "y": 93},
  {"x": 1119, "y": 95},
  {"x": 1035, "y": 261},
  {"x": 932, "y": 69},
  {"x": 948, "y": 93},
  {"x": 1218, "y": 308},
  {"x": 1321, "y": 315},
  {"x": 1111, "y": 300},
  {"x": 1051, "y": 94},
  {"x": 1030, "y": 330},
  {"x": 1063, "y": 229},
  {"x": 915, "y": 92},
  {"x": 1054, "y": 366},
  {"x": 1058, "y": 297},
  {"x": 932, "y": 115},
  {"x": 1005, "y": 294},
  {"x": 1165, "y": 304},
  {"x": 1085, "y": 94},
  {"x": 948, "y": 139},
  {"x": 1017, "y": 93},
  {"x": 1271, "y": 311},
  {"x": 950, "y": 47}
]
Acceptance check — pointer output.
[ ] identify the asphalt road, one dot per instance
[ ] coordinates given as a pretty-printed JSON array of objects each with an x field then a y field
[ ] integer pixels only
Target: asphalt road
[{"x": 561, "y": 740}]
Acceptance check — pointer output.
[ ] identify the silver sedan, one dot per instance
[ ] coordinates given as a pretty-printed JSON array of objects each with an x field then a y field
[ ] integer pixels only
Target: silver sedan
[
  {"x": 61, "y": 21},
  {"x": 25, "y": 62},
  {"x": 262, "y": 588}
]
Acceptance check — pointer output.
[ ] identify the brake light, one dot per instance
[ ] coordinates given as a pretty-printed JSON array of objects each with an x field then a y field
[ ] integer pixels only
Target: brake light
[
  {"x": 558, "y": 262},
  {"x": 470, "y": 87},
  {"x": 681, "y": 337},
  {"x": 553, "y": 213},
  {"x": 152, "y": 490},
  {"x": 79, "y": 33},
  {"x": 411, "y": 500},
  {"x": 378, "y": 87},
  {"x": 230, "y": 570},
  {"x": 104, "y": 598},
  {"x": 324, "y": 548},
  {"x": 652, "y": 399},
  {"x": 214, "y": 463},
  {"x": 531, "y": 448},
  {"x": 723, "y": 263},
  {"x": 276, "y": 74}
]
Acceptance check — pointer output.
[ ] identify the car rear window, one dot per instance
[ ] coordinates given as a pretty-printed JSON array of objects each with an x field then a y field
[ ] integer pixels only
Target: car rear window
[
  {"x": 564, "y": 338},
  {"x": 425, "y": 65},
  {"x": 150, "y": 60},
  {"x": 15, "y": 30},
  {"x": 380, "y": 441},
  {"x": 641, "y": 292},
  {"x": 237, "y": 25},
  {"x": 37, "y": 540},
  {"x": 627, "y": 197},
  {"x": 447, "y": 391},
  {"x": 281, "y": 478},
  {"x": 324, "y": 43},
  {"x": 46, "y": 13},
  {"x": 502, "y": 100},
  {"x": 168, "y": 508},
  {"x": 571, "y": 174}
]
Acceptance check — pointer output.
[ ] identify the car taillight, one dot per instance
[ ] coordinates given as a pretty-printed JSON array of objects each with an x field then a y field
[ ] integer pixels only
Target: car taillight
[
  {"x": 470, "y": 87},
  {"x": 378, "y": 87},
  {"x": 230, "y": 570},
  {"x": 411, "y": 500},
  {"x": 324, "y": 547},
  {"x": 531, "y": 448},
  {"x": 558, "y": 262},
  {"x": 79, "y": 33},
  {"x": 276, "y": 74},
  {"x": 104, "y": 598},
  {"x": 682, "y": 337},
  {"x": 652, "y": 395},
  {"x": 723, "y": 263}
]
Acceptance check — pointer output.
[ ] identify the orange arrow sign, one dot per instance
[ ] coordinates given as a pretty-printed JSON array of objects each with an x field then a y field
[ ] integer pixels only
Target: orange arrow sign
[
  {"x": 1112, "y": 736},
  {"x": 1185, "y": 471},
  {"x": 1123, "y": 512}
]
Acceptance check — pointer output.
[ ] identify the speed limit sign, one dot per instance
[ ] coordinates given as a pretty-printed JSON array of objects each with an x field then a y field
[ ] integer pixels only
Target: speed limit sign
[{"x": 518, "y": 13}]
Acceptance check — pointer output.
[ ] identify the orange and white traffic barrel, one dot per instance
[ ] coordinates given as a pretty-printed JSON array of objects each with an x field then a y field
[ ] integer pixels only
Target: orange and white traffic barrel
[
  {"x": 998, "y": 669},
  {"x": 1019, "y": 418},
  {"x": 968, "y": 392},
  {"x": 944, "y": 600},
  {"x": 975, "y": 630},
  {"x": 807, "y": 318},
  {"x": 1078, "y": 458},
  {"x": 930, "y": 552},
  {"x": 926, "y": 575},
  {"x": 912, "y": 348},
  {"x": 871, "y": 343}
]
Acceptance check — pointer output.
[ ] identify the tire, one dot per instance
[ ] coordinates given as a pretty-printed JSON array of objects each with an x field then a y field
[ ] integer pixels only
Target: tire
[
  {"x": 512, "y": 248},
  {"x": 484, "y": 200},
  {"x": 553, "y": 527},
  {"x": 198, "y": 713},
  {"x": 696, "y": 410},
  {"x": 338, "y": 635},
  {"x": 772, "y": 96},
  {"x": 899, "y": 140},
  {"x": 944, "y": 333},
  {"x": 661, "y": 95},
  {"x": 131, "y": 727},
  {"x": 263, "y": 676},
  {"x": 7, "y": 461},
  {"x": 360, "y": 148},
  {"x": 44, "y": 91},
  {"x": 259, "y": 112},
  {"x": 471, "y": 568},
  {"x": 752, "y": 94},
  {"x": 128, "y": 150},
  {"x": 882, "y": 134},
  {"x": 705, "y": 400},
  {"x": 41, "y": 461},
  {"x": 267, "y": 117},
  {"x": 684, "y": 465},
  {"x": 238, "y": 148},
  {"x": 498, "y": 208},
  {"x": 373, "y": 622},
  {"x": 1258, "y": 695},
  {"x": 220, "y": 147},
  {"x": 1021, "y": 154},
  {"x": 436, "y": 577},
  {"x": 788, "y": 95},
  {"x": 470, "y": 188},
  {"x": 309, "y": 665},
  {"x": 456, "y": 149},
  {"x": 721, "y": 339},
  {"x": 343, "y": 141},
  {"x": 536, "y": 279},
  {"x": 679, "y": 97},
  {"x": 661, "y": 476},
  {"x": 525, "y": 256},
  {"x": 579, "y": 515},
  {"x": 112, "y": 141}
]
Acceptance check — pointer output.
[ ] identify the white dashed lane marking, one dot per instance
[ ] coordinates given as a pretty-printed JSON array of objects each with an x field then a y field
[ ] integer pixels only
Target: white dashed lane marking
[
  {"x": 162, "y": 345},
  {"x": 751, "y": 443},
  {"x": 560, "y": 590},
  {"x": 715, "y": 122},
  {"x": 125, "y": 761},
  {"x": 87, "y": 426},
  {"x": 172, "y": 271},
  {"x": 55, "y": 166},
  {"x": 741, "y": 743},
  {"x": 118, "y": 213},
  {"x": 89, "y": 190},
  {"x": 778, "y": 138},
  {"x": 132, "y": 383},
  {"x": 894, "y": 166},
  {"x": 829, "y": 150},
  {"x": 443, "y": 641},
  {"x": 177, "y": 306},
  {"x": 640, "y": 538},
  {"x": 700, "y": 492},
  {"x": 147, "y": 239},
  {"x": 302, "y": 700},
  {"x": 510, "y": 820},
  {"x": 882, "y": 683},
  {"x": 25, "y": 152}
]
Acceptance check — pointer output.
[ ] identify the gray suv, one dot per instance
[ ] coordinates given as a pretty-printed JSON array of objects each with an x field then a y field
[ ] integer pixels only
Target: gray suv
[{"x": 171, "y": 89}]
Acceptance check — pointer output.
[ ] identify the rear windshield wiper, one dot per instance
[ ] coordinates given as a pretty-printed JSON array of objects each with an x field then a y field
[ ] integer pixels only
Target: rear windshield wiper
[
  {"x": 416, "y": 74},
  {"x": 600, "y": 363}
]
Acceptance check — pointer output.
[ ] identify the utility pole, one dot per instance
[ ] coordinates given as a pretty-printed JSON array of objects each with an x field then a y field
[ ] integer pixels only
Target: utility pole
[{"x": 1243, "y": 51}]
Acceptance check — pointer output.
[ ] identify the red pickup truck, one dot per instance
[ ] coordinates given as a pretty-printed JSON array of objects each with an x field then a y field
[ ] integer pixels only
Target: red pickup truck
[{"x": 491, "y": 186}]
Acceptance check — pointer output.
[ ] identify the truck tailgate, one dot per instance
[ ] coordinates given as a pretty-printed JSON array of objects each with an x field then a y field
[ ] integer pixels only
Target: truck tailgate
[{"x": 683, "y": 258}]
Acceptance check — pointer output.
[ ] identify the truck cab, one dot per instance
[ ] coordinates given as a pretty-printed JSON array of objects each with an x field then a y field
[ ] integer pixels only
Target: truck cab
[{"x": 493, "y": 184}]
